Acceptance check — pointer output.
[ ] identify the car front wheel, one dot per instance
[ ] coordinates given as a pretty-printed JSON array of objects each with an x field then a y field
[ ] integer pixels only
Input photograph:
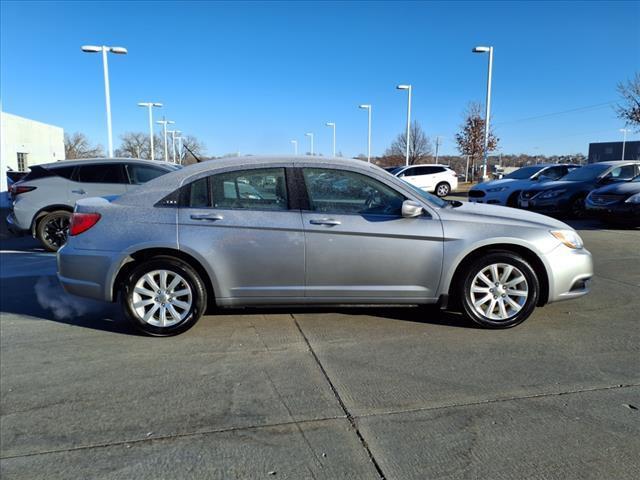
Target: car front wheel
[
  {"x": 163, "y": 296},
  {"x": 443, "y": 189},
  {"x": 500, "y": 290}
]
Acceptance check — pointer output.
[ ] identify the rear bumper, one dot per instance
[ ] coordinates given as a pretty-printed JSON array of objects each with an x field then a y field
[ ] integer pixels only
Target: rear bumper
[
  {"x": 13, "y": 226},
  {"x": 88, "y": 273},
  {"x": 570, "y": 274}
]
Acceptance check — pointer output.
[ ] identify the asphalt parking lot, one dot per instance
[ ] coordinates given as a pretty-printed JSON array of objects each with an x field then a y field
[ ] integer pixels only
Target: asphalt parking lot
[{"x": 321, "y": 393}]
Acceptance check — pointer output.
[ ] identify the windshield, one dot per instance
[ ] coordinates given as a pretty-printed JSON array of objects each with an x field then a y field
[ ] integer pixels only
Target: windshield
[
  {"x": 393, "y": 170},
  {"x": 524, "y": 172},
  {"x": 588, "y": 172},
  {"x": 438, "y": 202}
]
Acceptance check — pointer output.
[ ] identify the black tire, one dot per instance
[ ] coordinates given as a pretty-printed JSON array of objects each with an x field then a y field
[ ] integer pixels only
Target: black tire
[
  {"x": 52, "y": 230},
  {"x": 187, "y": 273},
  {"x": 443, "y": 189},
  {"x": 576, "y": 207},
  {"x": 491, "y": 258},
  {"x": 512, "y": 201}
]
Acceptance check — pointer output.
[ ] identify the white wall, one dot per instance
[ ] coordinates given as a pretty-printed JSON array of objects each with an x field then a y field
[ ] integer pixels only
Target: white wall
[{"x": 41, "y": 142}]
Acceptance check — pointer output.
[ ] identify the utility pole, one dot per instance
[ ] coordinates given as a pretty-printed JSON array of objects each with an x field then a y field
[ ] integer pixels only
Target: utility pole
[{"x": 437, "y": 146}]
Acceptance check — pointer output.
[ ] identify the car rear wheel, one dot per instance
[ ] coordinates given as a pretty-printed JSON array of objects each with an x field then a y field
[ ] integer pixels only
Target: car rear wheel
[
  {"x": 164, "y": 296},
  {"x": 443, "y": 189},
  {"x": 52, "y": 230},
  {"x": 500, "y": 290}
]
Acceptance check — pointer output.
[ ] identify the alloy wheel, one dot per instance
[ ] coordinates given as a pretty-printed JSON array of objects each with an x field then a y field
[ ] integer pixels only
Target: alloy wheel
[
  {"x": 56, "y": 230},
  {"x": 443, "y": 190},
  {"x": 499, "y": 291},
  {"x": 162, "y": 298}
]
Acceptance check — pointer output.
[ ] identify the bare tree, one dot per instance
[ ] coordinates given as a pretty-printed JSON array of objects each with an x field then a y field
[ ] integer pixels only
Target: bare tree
[
  {"x": 136, "y": 145},
  {"x": 470, "y": 139},
  {"x": 420, "y": 150},
  {"x": 629, "y": 108},
  {"x": 77, "y": 145}
]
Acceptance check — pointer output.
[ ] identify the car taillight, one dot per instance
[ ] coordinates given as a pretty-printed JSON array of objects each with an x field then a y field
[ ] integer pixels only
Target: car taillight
[
  {"x": 81, "y": 222},
  {"x": 18, "y": 189}
]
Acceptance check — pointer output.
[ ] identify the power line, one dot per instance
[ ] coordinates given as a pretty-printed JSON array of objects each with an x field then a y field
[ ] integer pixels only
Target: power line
[{"x": 553, "y": 114}]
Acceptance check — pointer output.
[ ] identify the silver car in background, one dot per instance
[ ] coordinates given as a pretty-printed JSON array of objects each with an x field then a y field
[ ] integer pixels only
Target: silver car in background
[{"x": 302, "y": 230}]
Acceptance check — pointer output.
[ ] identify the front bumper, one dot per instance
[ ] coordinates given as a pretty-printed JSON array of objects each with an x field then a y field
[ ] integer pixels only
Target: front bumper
[
  {"x": 550, "y": 206},
  {"x": 624, "y": 213},
  {"x": 490, "y": 198},
  {"x": 88, "y": 273},
  {"x": 570, "y": 272}
]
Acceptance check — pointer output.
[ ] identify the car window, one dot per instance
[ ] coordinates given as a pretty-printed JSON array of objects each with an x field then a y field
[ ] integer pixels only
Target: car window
[
  {"x": 139, "y": 174},
  {"x": 256, "y": 189},
  {"x": 341, "y": 191},
  {"x": 408, "y": 172},
  {"x": 625, "y": 172},
  {"x": 554, "y": 173},
  {"x": 112, "y": 173}
]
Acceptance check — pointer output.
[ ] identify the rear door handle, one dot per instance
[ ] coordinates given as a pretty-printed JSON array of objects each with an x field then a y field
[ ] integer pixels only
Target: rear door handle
[
  {"x": 79, "y": 191},
  {"x": 212, "y": 217},
  {"x": 325, "y": 221}
]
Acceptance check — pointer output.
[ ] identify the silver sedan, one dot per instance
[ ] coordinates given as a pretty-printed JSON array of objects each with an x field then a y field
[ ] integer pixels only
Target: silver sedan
[{"x": 261, "y": 231}]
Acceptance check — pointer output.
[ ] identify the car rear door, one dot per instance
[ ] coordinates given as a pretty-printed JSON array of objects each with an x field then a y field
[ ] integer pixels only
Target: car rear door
[
  {"x": 240, "y": 222},
  {"x": 359, "y": 247},
  {"x": 98, "y": 180}
]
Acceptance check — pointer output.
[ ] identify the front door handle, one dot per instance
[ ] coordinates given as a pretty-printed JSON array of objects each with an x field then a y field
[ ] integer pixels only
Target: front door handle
[
  {"x": 325, "y": 221},
  {"x": 212, "y": 217},
  {"x": 79, "y": 191}
]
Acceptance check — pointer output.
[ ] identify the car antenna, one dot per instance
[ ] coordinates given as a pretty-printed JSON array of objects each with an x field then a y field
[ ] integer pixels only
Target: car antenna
[{"x": 192, "y": 154}]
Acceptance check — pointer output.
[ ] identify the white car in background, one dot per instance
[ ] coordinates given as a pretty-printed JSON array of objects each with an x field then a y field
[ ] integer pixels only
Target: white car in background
[
  {"x": 433, "y": 178},
  {"x": 506, "y": 190}
]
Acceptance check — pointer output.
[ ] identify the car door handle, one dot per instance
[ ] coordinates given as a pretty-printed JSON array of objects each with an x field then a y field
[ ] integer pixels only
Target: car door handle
[
  {"x": 325, "y": 221},
  {"x": 79, "y": 191},
  {"x": 212, "y": 217}
]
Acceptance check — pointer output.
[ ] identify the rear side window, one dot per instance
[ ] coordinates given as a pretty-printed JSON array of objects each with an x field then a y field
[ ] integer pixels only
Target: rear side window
[
  {"x": 64, "y": 172},
  {"x": 105, "y": 173},
  {"x": 36, "y": 173},
  {"x": 139, "y": 174},
  {"x": 258, "y": 189},
  {"x": 199, "y": 194}
]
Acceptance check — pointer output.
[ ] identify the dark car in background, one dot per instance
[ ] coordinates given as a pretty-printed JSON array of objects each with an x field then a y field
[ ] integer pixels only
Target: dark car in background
[
  {"x": 566, "y": 197},
  {"x": 617, "y": 204}
]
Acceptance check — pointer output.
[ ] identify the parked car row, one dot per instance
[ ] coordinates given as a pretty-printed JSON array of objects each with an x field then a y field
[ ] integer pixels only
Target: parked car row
[
  {"x": 608, "y": 190},
  {"x": 43, "y": 200}
]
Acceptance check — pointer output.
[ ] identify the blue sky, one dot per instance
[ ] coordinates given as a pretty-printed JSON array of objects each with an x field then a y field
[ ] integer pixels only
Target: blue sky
[{"x": 250, "y": 77}]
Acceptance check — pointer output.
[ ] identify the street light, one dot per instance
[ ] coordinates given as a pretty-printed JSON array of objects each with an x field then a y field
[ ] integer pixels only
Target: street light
[
  {"x": 332, "y": 124},
  {"x": 173, "y": 143},
  {"x": 150, "y": 106},
  {"x": 624, "y": 140},
  {"x": 179, "y": 138},
  {"x": 105, "y": 67},
  {"x": 164, "y": 124},
  {"x": 487, "y": 116},
  {"x": 295, "y": 147},
  {"x": 310, "y": 135},
  {"x": 408, "y": 88},
  {"x": 368, "y": 108}
]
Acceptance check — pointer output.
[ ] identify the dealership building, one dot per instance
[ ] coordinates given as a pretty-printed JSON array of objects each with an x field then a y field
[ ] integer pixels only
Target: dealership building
[
  {"x": 27, "y": 142},
  {"x": 607, "y": 151}
]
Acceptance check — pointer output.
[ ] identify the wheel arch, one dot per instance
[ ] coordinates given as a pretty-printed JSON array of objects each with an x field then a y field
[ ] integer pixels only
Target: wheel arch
[
  {"x": 529, "y": 255},
  {"x": 133, "y": 259},
  {"x": 45, "y": 211}
]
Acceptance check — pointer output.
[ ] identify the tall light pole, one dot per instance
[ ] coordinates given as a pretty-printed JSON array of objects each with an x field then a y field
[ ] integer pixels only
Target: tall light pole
[
  {"x": 295, "y": 146},
  {"x": 164, "y": 124},
  {"x": 179, "y": 138},
  {"x": 408, "y": 88},
  {"x": 105, "y": 67},
  {"x": 332, "y": 124},
  {"x": 624, "y": 140},
  {"x": 367, "y": 107},
  {"x": 487, "y": 115},
  {"x": 173, "y": 143},
  {"x": 150, "y": 106},
  {"x": 310, "y": 135},
  {"x": 437, "y": 146}
]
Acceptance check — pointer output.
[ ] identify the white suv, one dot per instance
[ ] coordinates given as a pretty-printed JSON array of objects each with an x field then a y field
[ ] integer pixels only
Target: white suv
[
  {"x": 43, "y": 200},
  {"x": 434, "y": 178}
]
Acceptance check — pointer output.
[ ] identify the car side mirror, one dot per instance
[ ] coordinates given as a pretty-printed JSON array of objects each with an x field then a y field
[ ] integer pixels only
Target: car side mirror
[{"x": 411, "y": 209}]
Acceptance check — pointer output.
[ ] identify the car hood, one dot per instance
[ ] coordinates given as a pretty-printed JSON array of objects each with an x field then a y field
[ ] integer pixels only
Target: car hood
[
  {"x": 622, "y": 188},
  {"x": 503, "y": 182},
  {"x": 559, "y": 184},
  {"x": 494, "y": 214}
]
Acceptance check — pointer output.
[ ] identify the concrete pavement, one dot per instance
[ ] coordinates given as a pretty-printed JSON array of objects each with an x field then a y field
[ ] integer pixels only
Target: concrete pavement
[{"x": 321, "y": 393}]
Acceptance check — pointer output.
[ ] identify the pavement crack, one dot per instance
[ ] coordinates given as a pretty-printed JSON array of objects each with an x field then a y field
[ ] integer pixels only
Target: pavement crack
[{"x": 334, "y": 390}]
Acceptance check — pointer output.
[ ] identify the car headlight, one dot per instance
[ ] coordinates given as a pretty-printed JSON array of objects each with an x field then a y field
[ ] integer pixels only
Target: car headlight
[
  {"x": 635, "y": 198},
  {"x": 497, "y": 189},
  {"x": 552, "y": 193},
  {"x": 569, "y": 237}
]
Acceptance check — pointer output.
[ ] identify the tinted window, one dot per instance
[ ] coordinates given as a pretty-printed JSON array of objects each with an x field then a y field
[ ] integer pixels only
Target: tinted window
[
  {"x": 259, "y": 189},
  {"x": 341, "y": 191},
  {"x": 524, "y": 173},
  {"x": 143, "y": 173},
  {"x": 626, "y": 172},
  {"x": 586, "y": 173},
  {"x": 554, "y": 173},
  {"x": 112, "y": 173},
  {"x": 64, "y": 172},
  {"x": 199, "y": 194}
]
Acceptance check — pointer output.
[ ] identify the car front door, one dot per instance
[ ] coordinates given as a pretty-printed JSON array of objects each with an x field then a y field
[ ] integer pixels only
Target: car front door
[
  {"x": 240, "y": 222},
  {"x": 359, "y": 247},
  {"x": 98, "y": 180}
]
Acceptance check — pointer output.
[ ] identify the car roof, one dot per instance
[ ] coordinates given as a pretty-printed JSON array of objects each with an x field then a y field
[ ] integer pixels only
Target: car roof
[{"x": 97, "y": 161}]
